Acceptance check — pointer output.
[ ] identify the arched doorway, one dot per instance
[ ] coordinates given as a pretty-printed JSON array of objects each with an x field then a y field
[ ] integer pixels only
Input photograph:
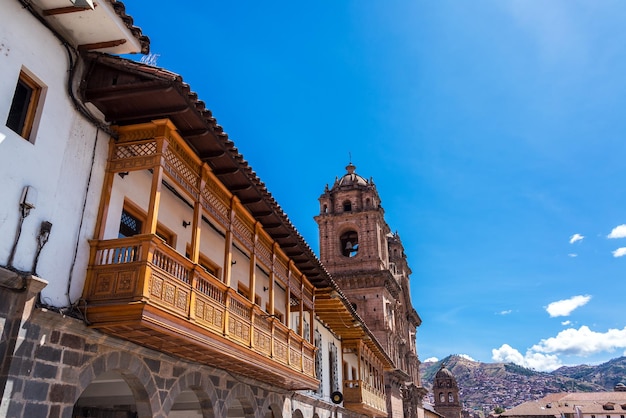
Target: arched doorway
[
  {"x": 186, "y": 405},
  {"x": 112, "y": 394},
  {"x": 236, "y": 409}
]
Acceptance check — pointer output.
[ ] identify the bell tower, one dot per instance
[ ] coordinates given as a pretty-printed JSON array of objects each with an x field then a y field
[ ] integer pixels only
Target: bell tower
[
  {"x": 368, "y": 262},
  {"x": 446, "y": 390},
  {"x": 353, "y": 232}
]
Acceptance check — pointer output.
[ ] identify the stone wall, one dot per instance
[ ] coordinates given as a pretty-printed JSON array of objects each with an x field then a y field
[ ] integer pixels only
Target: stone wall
[{"x": 57, "y": 357}]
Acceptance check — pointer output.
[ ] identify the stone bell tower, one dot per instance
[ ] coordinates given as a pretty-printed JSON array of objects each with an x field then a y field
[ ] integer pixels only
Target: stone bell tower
[
  {"x": 446, "y": 393},
  {"x": 351, "y": 225},
  {"x": 368, "y": 262}
]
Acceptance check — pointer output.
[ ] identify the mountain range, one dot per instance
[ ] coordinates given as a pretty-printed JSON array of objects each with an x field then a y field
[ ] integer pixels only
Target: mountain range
[{"x": 485, "y": 386}]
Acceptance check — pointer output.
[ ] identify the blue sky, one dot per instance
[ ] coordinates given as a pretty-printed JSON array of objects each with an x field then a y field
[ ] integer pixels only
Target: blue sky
[{"x": 494, "y": 131}]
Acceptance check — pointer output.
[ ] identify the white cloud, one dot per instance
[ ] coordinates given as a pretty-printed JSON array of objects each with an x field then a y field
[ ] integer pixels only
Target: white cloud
[
  {"x": 465, "y": 356},
  {"x": 566, "y": 323},
  {"x": 620, "y": 252},
  {"x": 544, "y": 356},
  {"x": 575, "y": 237},
  {"x": 572, "y": 255},
  {"x": 532, "y": 360},
  {"x": 505, "y": 312},
  {"x": 431, "y": 360},
  {"x": 582, "y": 342},
  {"x": 507, "y": 354},
  {"x": 618, "y": 232},
  {"x": 567, "y": 306}
]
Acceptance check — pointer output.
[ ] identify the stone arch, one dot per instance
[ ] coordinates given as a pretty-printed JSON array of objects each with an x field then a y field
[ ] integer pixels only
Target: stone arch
[
  {"x": 245, "y": 396},
  {"x": 202, "y": 387},
  {"x": 349, "y": 241},
  {"x": 297, "y": 414},
  {"x": 135, "y": 373},
  {"x": 274, "y": 403}
]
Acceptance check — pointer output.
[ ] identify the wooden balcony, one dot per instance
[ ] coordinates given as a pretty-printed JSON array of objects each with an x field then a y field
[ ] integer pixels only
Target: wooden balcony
[
  {"x": 142, "y": 290},
  {"x": 361, "y": 397}
]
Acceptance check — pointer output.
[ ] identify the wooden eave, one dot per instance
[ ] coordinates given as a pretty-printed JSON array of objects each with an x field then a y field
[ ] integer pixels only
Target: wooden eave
[
  {"x": 128, "y": 92},
  {"x": 106, "y": 28},
  {"x": 334, "y": 309}
]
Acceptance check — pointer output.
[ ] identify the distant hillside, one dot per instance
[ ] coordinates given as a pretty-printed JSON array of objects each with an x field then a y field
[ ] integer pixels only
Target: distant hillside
[
  {"x": 484, "y": 386},
  {"x": 606, "y": 374}
]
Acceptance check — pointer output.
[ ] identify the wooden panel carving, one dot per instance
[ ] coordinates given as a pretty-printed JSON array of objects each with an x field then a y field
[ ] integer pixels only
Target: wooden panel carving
[
  {"x": 104, "y": 284},
  {"x": 264, "y": 251},
  {"x": 280, "y": 351},
  {"x": 181, "y": 172},
  {"x": 239, "y": 330},
  {"x": 215, "y": 201},
  {"x": 243, "y": 231},
  {"x": 126, "y": 282},
  {"x": 156, "y": 287},
  {"x": 262, "y": 342},
  {"x": 294, "y": 357},
  {"x": 137, "y": 134},
  {"x": 110, "y": 282}
]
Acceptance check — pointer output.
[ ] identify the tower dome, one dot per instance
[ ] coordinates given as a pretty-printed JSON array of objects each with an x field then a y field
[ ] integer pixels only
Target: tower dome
[
  {"x": 444, "y": 373},
  {"x": 351, "y": 178}
]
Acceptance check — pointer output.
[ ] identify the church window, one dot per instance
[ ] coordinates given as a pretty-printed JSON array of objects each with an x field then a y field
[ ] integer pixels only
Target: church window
[
  {"x": 347, "y": 206},
  {"x": 442, "y": 397},
  {"x": 450, "y": 397},
  {"x": 349, "y": 242},
  {"x": 325, "y": 208},
  {"x": 368, "y": 202}
]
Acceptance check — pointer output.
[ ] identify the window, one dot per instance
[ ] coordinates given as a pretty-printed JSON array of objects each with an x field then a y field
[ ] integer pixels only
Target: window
[
  {"x": 209, "y": 266},
  {"x": 24, "y": 106},
  {"x": 349, "y": 242},
  {"x": 333, "y": 365},
  {"x": 347, "y": 206},
  {"x": 131, "y": 224},
  {"x": 317, "y": 339}
]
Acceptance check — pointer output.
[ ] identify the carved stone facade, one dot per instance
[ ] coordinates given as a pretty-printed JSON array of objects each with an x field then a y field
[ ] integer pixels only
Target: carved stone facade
[
  {"x": 446, "y": 393},
  {"x": 368, "y": 262}
]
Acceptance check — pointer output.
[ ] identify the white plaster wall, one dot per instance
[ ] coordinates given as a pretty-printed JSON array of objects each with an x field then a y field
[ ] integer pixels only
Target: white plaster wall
[
  {"x": 327, "y": 338},
  {"x": 328, "y": 409},
  {"x": 135, "y": 187},
  {"x": 57, "y": 164}
]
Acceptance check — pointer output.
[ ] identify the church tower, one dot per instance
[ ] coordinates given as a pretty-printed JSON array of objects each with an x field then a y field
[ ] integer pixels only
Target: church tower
[
  {"x": 446, "y": 393},
  {"x": 368, "y": 262}
]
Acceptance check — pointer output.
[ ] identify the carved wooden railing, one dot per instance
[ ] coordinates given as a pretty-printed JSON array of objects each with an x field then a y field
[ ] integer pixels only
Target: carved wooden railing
[
  {"x": 360, "y": 392},
  {"x": 144, "y": 268}
]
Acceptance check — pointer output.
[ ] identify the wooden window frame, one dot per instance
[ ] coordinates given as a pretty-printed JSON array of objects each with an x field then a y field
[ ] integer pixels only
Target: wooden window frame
[
  {"x": 28, "y": 115},
  {"x": 164, "y": 233},
  {"x": 206, "y": 263}
]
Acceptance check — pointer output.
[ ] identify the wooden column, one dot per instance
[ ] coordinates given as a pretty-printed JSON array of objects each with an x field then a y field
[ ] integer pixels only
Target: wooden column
[
  {"x": 228, "y": 244},
  {"x": 155, "y": 189},
  {"x": 253, "y": 257},
  {"x": 301, "y": 324},
  {"x": 105, "y": 196},
  {"x": 196, "y": 223},
  {"x": 252, "y": 281},
  {"x": 228, "y": 257}
]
